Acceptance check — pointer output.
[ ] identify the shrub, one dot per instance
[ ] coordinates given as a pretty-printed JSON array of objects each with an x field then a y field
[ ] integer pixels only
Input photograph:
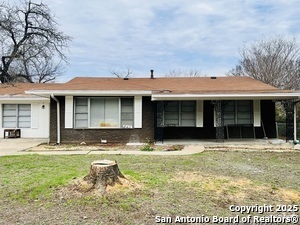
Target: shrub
[{"x": 146, "y": 147}]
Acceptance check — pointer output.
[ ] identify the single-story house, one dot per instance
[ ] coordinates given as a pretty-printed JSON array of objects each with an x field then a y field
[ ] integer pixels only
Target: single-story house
[{"x": 92, "y": 109}]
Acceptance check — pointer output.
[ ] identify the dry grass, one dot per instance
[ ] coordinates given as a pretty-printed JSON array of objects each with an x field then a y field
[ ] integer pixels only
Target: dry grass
[
  {"x": 237, "y": 188},
  {"x": 80, "y": 188},
  {"x": 48, "y": 189}
]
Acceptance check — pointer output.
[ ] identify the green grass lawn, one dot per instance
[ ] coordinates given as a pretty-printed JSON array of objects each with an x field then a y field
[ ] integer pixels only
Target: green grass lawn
[{"x": 38, "y": 187}]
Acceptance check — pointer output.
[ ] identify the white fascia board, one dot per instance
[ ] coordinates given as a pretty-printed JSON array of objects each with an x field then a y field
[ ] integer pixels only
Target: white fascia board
[
  {"x": 266, "y": 96},
  {"x": 89, "y": 92},
  {"x": 15, "y": 98}
]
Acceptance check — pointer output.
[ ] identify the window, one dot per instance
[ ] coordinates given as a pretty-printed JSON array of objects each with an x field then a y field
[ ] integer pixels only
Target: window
[
  {"x": 180, "y": 113},
  {"x": 127, "y": 112},
  {"x": 16, "y": 116},
  {"x": 238, "y": 112},
  {"x": 104, "y": 112},
  {"x": 81, "y": 112}
]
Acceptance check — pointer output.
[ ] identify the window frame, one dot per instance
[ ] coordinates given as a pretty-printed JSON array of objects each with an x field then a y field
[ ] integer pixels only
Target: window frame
[
  {"x": 18, "y": 116},
  {"x": 236, "y": 113},
  {"x": 88, "y": 113},
  {"x": 180, "y": 114}
]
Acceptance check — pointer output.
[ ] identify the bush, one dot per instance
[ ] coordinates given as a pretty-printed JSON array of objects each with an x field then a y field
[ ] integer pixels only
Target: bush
[{"x": 146, "y": 147}]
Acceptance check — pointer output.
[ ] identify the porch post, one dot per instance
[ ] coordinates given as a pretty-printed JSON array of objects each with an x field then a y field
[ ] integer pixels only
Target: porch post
[
  {"x": 159, "y": 126},
  {"x": 295, "y": 122},
  {"x": 218, "y": 105},
  {"x": 290, "y": 124}
]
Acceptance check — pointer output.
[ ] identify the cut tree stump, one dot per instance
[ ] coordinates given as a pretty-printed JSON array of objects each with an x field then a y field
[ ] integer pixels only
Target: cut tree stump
[{"x": 103, "y": 173}]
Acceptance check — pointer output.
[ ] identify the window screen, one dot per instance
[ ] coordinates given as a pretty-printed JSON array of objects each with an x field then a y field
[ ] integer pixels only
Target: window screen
[
  {"x": 238, "y": 112},
  {"x": 16, "y": 116},
  {"x": 104, "y": 112},
  {"x": 95, "y": 112},
  {"x": 127, "y": 117},
  {"x": 180, "y": 113},
  {"x": 81, "y": 112}
]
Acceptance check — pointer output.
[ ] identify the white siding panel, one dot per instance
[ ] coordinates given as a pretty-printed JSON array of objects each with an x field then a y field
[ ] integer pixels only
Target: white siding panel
[
  {"x": 39, "y": 119},
  {"x": 69, "y": 112},
  {"x": 256, "y": 113},
  {"x": 35, "y": 115},
  {"x": 199, "y": 114},
  {"x": 1, "y": 122},
  {"x": 138, "y": 121}
]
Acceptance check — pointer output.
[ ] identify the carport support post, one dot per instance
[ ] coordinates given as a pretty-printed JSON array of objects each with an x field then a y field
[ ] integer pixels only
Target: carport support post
[
  {"x": 218, "y": 105},
  {"x": 295, "y": 122},
  {"x": 290, "y": 114},
  {"x": 159, "y": 123},
  {"x": 57, "y": 118}
]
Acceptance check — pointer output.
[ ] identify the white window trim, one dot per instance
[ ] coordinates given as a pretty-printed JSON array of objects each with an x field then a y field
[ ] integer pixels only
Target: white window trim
[
  {"x": 69, "y": 111},
  {"x": 35, "y": 115},
  {"x": 138, "y": 112},
  {"x": 135, "y": 103},
  {"x": 1, "y": 115}
]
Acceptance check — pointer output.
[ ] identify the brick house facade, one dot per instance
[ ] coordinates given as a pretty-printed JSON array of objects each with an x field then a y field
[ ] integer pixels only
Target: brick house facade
[{"x": 90, "y": 109}]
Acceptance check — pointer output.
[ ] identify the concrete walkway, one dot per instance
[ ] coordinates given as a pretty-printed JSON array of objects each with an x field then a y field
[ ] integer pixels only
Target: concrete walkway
[
  {"x": 188, "y": 150},
  {"x": 19, "y": 145},
  {"x": 14, "y": 146}
]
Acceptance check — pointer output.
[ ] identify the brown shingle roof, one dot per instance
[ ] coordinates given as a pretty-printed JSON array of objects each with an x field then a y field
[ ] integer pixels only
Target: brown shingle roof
[
  {"x": 175, "y": 85},
  {"x": 181, "y": 84},
  {"x": 20, "y": 88}
]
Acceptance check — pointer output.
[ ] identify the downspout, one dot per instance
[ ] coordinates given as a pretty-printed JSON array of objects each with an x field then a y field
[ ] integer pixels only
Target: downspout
[
  {"x": 295, "y": 123},
  {"x": 57, "y": 118}
]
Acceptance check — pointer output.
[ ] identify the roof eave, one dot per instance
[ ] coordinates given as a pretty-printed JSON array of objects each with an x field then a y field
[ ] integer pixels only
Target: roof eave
[
  {"x": 88, "y": 92},
  {"x": 261, "y": 96}
]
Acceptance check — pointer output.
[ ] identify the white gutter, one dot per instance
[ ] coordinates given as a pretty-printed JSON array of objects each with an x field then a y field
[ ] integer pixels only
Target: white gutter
[
  {"x": 271, "y": 96},
  {"x": 90, "y": 92},
  {"x": 57, "y": 119},
  {"x": 295, "y": 123}
]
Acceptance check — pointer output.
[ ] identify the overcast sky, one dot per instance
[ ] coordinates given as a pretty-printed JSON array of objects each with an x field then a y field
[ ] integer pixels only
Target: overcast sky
[{"x": 167, "y": 35}]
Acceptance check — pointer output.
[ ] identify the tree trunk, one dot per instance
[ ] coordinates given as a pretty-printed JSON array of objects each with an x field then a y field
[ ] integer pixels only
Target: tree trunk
[{"x": 103, "y": 173}]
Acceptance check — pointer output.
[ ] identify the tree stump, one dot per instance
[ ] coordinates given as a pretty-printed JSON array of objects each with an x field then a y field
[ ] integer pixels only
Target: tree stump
[{"x": 103, "y": 173}]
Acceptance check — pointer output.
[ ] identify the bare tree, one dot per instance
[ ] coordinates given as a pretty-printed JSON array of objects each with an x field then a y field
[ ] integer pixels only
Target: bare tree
[
  {"x": 184, "y": 73},
  {"x": 275, "y": 61},
  {"x": 31, "y": 44},
  {"x": 122, "y": 72}
]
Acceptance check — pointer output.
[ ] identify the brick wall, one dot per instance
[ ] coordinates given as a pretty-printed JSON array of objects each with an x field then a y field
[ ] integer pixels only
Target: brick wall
[
  {"x": 147, "y": 132},
  {"x": 112, "y": 135}
]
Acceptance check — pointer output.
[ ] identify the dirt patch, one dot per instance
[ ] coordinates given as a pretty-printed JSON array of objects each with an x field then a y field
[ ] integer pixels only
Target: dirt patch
[
  {"x": 238, "y": 188},
  {"x": 82, "y": 147},
  {"x": 80, "y": 188},
  {"x": 101, "y": 147},
  {"x": 266, "y": 148}
]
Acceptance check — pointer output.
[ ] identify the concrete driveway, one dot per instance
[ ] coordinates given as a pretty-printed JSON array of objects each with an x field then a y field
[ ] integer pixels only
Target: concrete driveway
[{"x": 13, "y": 146}]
